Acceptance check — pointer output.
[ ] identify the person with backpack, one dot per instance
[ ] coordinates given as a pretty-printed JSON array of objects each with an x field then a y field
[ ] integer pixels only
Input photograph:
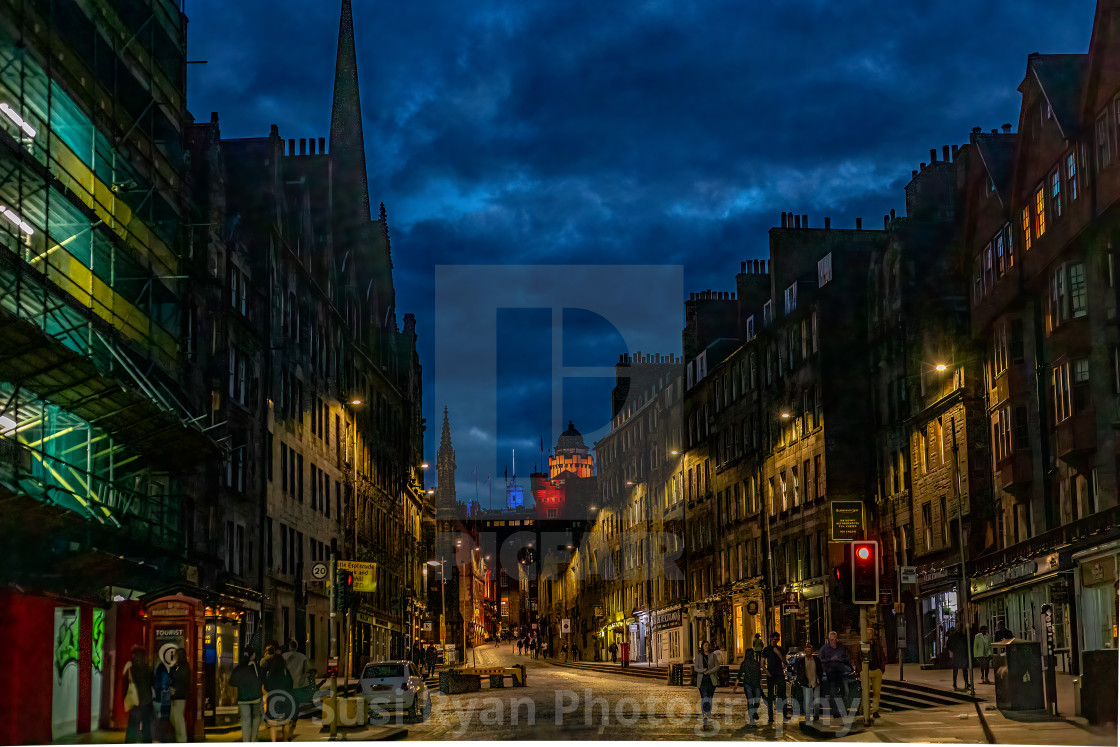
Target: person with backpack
[
  {"x": 876, "y": 663},
  {"x": 279, "y": 704},
  {"x": 706, "y": 667},
  {"x": 750, "y": 679},
  {"x": 613, "y": 648},
  {"x": 775, "y": 658},
  {"x": 138, "y": 682},
  {"x": 246, "y": 679}
]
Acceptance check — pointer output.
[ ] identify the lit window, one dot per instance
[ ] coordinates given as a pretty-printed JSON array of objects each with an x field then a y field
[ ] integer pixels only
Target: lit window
[
  {"x": 1026, "y": 229},
  {"x": 1040, "y": 211}
]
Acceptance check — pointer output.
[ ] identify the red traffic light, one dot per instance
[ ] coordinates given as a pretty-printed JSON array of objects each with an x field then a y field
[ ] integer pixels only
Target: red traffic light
[{"x": 863, "y": 552}]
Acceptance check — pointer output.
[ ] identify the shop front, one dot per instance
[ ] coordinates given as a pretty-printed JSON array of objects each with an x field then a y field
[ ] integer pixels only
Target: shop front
[
  {"x": 1096, "y": 591},
  {"x": 668, "y": 635},
  {"x": 229, "y": 629},
  {"x": 1032, "y": 600},
  {"x": 939, "y": 612}
]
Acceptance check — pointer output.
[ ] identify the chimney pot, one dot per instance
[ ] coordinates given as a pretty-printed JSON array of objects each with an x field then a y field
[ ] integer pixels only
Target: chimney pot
[
  {"x": 977, "y": 129},
  {"x": 303, "y": 146},
  {"x": 783, "y": 219},
  {"x": 827, "y": 222},
  {"x": 213, "y": 116},
  {"x": 933, "y": 155},
  {"x": 274, "y": 130},
  {"x": 892, "y": 213},
  {"x": 742, "y": 267},
  {"x": 1007, "y": 127},
  {"x": 859, "y": 224},
  {"x": 954, "y": 152},
  {"x": 322, "y": 145},
  {"x": 311, "y": 146},
  {"x": 797, "y": 221},
  {"x": 804, "y": 221},
  {"x": 757, "y": 270},
  {"x": 291, "y": 146},
  {"x": 945, "y": 153},
  {"x": 995, "y": 130}
]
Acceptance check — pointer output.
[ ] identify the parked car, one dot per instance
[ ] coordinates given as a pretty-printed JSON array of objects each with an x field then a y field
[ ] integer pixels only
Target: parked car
[{"x": 395, "y": 686}]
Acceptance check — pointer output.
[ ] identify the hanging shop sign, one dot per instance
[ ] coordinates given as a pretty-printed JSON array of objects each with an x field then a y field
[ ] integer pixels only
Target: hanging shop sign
[{"x": 846, "y": 520}]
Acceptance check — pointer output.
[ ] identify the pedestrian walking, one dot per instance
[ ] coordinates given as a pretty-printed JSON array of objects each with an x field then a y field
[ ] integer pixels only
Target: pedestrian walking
[
  {"x": 958, "y": 650},
  {"x": 876, "y": 664},
  {"x": 613, "y": 648},
  {"x": 758, "y": 643},
  {"x": 775, "y": 658},
  {"x": 520, "y": 646},
  {"x": 982, "y": 652},
  {"x": 807, "y": 676},
  {"x": 750, "y": 679},
  {"x": 279, "y": 702},
  {"x": 246, "y": 679},
  {"x": 430, "y": 658},
  {"x": 138, "y": 679},
  {"x": 706, "y": 666},
  {"x": 1004, "y": 634},
  {"x": 180, "y": 690},
  {"x": 836, "y": 665},
  {"x": 296, "y": 663}
]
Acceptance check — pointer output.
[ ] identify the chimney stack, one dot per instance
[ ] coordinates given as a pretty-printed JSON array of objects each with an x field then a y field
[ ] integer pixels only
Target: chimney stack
[
  {"x": 932, "y": 156},
  {"x": 303, "y": 146},
  {"x": 804, "y": 221},
  {"x": 742, "y": 268},
  {"x": 892, "y": 213},
  {"x": 310, "y": 146},
  {"x": 1007, "y": 127},
  {"x": 783, "y": 219},
  {"x": 945, "y": 153},
  {"x": 291, "y": 146},
  {"x": 322, "y": 145}
]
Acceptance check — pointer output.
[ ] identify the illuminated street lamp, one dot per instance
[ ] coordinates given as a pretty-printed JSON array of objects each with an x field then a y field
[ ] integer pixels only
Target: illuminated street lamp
[
  {"x": 940, "y": 367},
  {"x": 424, "y": 465}
]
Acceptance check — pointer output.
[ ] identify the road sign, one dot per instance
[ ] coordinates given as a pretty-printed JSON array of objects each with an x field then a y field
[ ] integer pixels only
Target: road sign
[
  {"x": 319, "y": 571},
  {"x": 752, "y": 607},
  {"x": 908, "y": 574},
  {"x": 847, "y": 520},
  {"x": 428, "y": 627},
  {"x": 365, "y": 574},
  {"x": 565, "y": 625}
]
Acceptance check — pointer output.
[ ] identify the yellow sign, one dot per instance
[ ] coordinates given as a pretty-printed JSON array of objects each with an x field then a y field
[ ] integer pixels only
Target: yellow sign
[{"x": 365, "y": 574}]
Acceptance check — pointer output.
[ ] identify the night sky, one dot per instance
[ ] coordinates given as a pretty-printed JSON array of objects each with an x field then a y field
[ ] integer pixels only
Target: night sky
[{"x": 620, "y": 133}]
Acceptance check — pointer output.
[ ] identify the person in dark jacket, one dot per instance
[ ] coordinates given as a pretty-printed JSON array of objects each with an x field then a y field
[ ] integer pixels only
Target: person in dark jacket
[
  {"x": 958, "y": 649},
  {"x": 280, "y": 704},
  {"x": 750, "y": 679},
  {"x": 430, "y": 657},
  {"x": 836, "y": 665},
  {"x": 180, "y": 691},
  {"x": 139, "y": 675},
  {"x": 246, "y": 677},
  {"x": 807, "y": 676},
  {"x": 775, "y": 658}
]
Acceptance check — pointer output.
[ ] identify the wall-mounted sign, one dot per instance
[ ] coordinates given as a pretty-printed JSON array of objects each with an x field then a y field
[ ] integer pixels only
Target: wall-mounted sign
[
  {"x": 846, "y": 520},
  {"x": 752, "y": 607},
  {"x": 365, "y": 574},
  {"x": 908, "y": 574}
]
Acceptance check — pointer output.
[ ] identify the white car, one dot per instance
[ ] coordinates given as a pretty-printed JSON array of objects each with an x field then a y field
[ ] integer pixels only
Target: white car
[{"x": 395, "y": 686}]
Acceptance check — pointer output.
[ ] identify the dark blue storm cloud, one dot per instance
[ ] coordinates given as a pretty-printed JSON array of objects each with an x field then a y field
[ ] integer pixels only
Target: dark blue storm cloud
[{"x": 630, "y": 132}]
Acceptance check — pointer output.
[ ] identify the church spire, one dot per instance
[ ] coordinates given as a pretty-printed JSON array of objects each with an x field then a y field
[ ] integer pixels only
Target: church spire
[
  {"x": 445, "y": 471},
  {"x": 347, "y": 142}
]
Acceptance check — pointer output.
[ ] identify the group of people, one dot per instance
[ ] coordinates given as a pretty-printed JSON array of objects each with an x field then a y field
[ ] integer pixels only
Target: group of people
[
  {"x": 957, "y": 643},
  {"x": 531, "y": 645},
  {"x": 827, "y": 668},
  {"x": 268, "y": 689},
  {"x": 140, "y": 688},
  {"x": 425, "y": 659}
]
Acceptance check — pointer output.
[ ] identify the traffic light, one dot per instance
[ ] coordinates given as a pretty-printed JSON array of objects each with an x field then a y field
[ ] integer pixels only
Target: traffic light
[
  {"x": 344, "y": 593},
  {"x": 865, "y": 572},
  {"x": 842, "y": 575}
]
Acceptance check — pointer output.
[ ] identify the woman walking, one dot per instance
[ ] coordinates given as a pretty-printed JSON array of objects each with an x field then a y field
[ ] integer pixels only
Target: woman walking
[
  {"x": 138, "y": 697},
  {"x": 706, "y": 665},
  {"x": 279, "y": 703}
]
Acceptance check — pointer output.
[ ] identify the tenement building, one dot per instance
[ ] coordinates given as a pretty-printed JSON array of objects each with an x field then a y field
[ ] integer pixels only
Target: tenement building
[{"x": 1043, "y": 221}]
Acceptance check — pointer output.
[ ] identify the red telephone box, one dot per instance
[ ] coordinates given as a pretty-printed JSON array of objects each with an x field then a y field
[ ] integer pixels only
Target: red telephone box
[{"x": 176, "y": 621}]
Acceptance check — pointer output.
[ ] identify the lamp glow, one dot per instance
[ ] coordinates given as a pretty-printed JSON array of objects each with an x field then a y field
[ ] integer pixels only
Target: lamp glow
[{"x": 940, "y": 366}]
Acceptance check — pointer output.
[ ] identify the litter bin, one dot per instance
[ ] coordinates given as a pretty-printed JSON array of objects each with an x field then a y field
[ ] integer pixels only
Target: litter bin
[
  {"x": 1018, "y": 669},
  {"x": 1098, "y": 691}
]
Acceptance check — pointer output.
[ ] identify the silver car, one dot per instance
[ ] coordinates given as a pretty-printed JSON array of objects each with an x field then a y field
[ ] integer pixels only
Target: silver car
[{"x": 395, "y": 686}]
